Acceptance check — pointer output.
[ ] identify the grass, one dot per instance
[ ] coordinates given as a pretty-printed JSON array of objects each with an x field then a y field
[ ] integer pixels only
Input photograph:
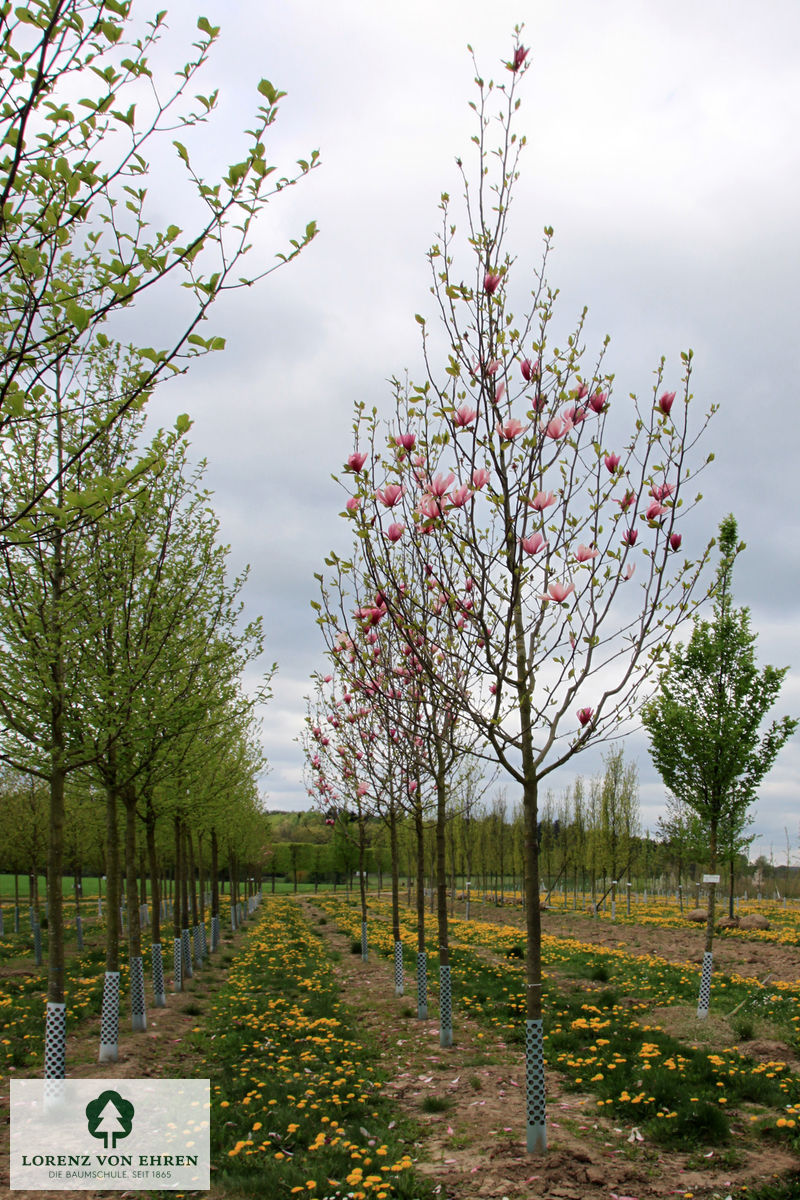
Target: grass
[
  {"x": 680, "y": 1083},
  {"x": 436, "y": 1104},
  {"x": 297, "y": 1093}
]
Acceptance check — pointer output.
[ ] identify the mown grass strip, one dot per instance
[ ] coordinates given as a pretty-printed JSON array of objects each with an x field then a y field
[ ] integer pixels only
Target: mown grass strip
[{"x": 297, "y": 1107}]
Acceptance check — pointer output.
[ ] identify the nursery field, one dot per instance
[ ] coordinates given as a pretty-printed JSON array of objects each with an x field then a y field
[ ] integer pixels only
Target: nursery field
[{"x": 325, "y": 1084}]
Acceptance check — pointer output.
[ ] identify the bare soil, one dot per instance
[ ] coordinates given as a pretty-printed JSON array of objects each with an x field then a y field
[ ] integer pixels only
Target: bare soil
[
  {"x": 476, "y": 1148},
  {"x": 732, "y": 954}
]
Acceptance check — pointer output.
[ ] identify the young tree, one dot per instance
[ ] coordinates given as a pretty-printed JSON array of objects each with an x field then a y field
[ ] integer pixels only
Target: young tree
[
  {"x": 704, "y": 725},
  {"x": 507, "y": 476},
  {"x": 79, "y": 246}
]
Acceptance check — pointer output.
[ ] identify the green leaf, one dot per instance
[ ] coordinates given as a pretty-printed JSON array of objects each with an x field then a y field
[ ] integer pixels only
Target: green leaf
[
  {"x": 266, "y": 89},
  {"x": 77, "y": 316},
  {"x": 205, "y": 26},
  {"x": 183, "y": 424}
]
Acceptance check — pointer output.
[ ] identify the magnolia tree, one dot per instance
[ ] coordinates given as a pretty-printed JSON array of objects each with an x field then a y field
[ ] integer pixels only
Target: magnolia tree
[
  {"x": 419, "y": 716},
  {"x": 544, "y": 514},
  {"x": 337, "y": 739}
]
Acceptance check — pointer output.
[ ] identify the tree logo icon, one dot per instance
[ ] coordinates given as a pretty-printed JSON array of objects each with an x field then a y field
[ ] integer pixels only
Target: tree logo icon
[{"x": 110, "y": 1118}]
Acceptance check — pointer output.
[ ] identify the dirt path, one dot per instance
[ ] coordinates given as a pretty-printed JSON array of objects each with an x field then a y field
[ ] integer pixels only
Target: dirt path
[
  {"x": 733, "y": 955},
  {"x": 475, "y": 1147}
]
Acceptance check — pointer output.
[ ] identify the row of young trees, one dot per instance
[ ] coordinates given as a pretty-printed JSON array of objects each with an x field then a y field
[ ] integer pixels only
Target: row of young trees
[
  {"x": 518, "y": 570},
  {"x": 122, "y": 644}
]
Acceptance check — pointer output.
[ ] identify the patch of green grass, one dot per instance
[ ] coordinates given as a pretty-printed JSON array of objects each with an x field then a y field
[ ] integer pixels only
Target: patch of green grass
[
  {"x": 744, "y": 1027},
  {"x": 279, "y": 1020},
  {"x": 436, "y": 1104}
]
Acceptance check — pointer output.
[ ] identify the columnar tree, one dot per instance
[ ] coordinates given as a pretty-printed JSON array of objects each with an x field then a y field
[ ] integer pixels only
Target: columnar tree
[
  {"x": 705, "y": 725},
  {"x": 551, "y": 537}
]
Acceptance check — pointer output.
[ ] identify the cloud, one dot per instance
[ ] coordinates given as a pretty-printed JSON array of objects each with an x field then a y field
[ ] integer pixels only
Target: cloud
[{"x": 662, "y": 147}]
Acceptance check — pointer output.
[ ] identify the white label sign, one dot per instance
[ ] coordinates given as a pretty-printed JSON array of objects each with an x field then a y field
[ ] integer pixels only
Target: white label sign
[
  {"x": 110, "y": 1134},
  {"x": 711, "y": 879}
]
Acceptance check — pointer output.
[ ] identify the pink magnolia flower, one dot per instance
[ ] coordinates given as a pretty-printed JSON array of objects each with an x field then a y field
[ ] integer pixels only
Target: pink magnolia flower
[
  {"x": 440, "y": 484},
  {"x": 493, "y": 367},
  {"x": 558, "y": 591},
  {"x": 597, "y": 401},
  {"x": 627, "y": 500},
  {"x": 543, "y": 500},
  {"x": 580, "y": 391},
  {"x": 355, "y": 462},
  {"x": 666, "y": 402},
  {"x": 556, "y": 428},
  {"x": 675, "y": 540},
  {"x": 353, "y": 504},
  {"x": 655, "y": 510},
  {"x": 490, "y": 283},
  {"x": 499, "y": 392},
  {"x": 520, "y": 54},
  {"x": 612, "y": 462},
  {"x": 661, "y": 491},
  {"x": 390, "y": 495},
  {"x": 628, "y": 572},
  {"x": 629, "y": 537},
  {"x": 510, "y": 429},
  {"x": 429, "y": 507},
  {"x": 585, "y": 553},
  {"x": 493, "y": 688},
  {"x": 460, "y": 496},
  {"x": 406, "y": 440},
  {"x": 395, "y": 532},
  {"x": 530, "y": 370},
  {"x": 363, "y": 788},
  {"x": 585, "y": 715},
  {"x": 464, "y": 416},
  {"x": 533, "y": 543},
  {"x": 480, "y": 477},
  {"x": 572, "y": 415}
]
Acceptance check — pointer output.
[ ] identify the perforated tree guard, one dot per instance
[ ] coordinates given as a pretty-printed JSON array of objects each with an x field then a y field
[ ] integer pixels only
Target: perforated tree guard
[
  {"x": 398, "y": 968},
  {"x": 704, "y": 1000},
  {"x": 364, "y": 943},
  {"x": 445, "y": 1008},
  {"x": 177, "y": 957},
  {"x": 535, "y": 1105},
  {"x": 422, "y": 986},
  {"x": 159, "y": 992},
  {"x": 138, "y": 1013},
  {"x": 55, "y": 1041},
  {"x": 109, "y": 1018},
  {"x": 186, "y": 947}
]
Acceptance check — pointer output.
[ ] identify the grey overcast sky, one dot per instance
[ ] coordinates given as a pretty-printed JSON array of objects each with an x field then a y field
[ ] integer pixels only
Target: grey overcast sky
[{"x": 662, "y": 147}]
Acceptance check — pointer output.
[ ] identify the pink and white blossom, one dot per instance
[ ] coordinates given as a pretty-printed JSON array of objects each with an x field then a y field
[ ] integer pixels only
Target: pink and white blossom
[
  {"x": 533, "y": 543},
  {"x": 543, "y": 500},
  {"x": 510, "y": 429}
]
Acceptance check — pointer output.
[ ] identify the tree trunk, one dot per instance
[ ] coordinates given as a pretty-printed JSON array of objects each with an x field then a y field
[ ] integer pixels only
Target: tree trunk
[
  {"x": 445, "y": 993},
  {"x": 422, "y": 965}
]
